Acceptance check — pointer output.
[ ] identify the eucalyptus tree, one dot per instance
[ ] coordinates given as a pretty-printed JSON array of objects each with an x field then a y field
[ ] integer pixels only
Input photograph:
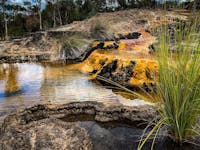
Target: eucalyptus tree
[
  {"x": 3, "y": 4},
  {"x": 55, "y": 5},
  {"x": 38, "y": 4}
]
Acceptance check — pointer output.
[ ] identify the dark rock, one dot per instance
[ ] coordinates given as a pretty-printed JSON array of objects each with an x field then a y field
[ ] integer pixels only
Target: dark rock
[
  {"x": 100, "y": 45},
  {"x": 134, "y": 35},
  {"x": 93, "y": 72},
  {"x": 103, "y": 61},
  {"x": 26, "y": 58},
  {"x": 125, "y": 73},
  {"x": 108, "y": 69},
  {"x": 151, "y": 49}
]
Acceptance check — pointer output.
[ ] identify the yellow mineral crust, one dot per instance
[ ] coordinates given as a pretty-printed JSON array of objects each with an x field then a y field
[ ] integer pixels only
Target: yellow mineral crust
[
  {"x": 95, "y": 43},
  {"x": 145, "y": 67},
  {"x": 95, "y": 62},
  {"x": 145, "y": 71}
]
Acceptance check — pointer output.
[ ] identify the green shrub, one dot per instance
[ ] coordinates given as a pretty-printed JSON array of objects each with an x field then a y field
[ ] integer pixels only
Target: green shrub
[{"x": 73, "y": 42}]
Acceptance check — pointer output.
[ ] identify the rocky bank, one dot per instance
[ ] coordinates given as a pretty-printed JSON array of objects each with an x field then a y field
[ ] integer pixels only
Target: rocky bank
[{"x": 42, "y": 126}]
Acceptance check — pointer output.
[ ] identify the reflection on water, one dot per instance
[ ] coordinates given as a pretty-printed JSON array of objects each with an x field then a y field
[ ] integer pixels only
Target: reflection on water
[
  {"x": 12, "y": 85},
  {"x": 27, "y": 83}
]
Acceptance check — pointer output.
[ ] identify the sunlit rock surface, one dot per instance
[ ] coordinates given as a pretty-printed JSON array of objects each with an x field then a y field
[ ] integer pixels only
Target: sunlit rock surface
[
  {"x": 129, "y": 61},
  {"x": 51, "y": 134}
]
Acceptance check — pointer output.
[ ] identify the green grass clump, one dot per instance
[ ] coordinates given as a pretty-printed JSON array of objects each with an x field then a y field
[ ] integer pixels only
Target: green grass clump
[
  {"x": 74, "y": 42},
  {"x": 178, "y": 87}
]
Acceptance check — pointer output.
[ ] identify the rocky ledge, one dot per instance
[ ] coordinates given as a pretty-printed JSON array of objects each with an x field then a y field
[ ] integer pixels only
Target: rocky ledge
[{"x": 31, "y": 128}]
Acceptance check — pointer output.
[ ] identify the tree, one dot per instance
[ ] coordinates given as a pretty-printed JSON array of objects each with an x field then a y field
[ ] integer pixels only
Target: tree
[
  {"x": 54, "y": 11},
  {"x": 3, "y": 4},
  {"x": 39, "y": 2},
  {"x": 122, "y": 3},
  {"x": 100, "y": 5}
]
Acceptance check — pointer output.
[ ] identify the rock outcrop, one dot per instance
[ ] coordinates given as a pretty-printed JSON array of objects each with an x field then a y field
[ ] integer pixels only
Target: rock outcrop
[{"x": 31, "y": 128}]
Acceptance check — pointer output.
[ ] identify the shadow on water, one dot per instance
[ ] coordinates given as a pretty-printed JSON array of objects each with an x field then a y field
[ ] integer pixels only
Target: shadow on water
[{"x": 120, "y": 135}]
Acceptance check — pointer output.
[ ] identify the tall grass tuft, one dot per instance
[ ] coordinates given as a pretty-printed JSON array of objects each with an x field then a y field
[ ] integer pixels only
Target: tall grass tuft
[{"x": 178, "y": 87}]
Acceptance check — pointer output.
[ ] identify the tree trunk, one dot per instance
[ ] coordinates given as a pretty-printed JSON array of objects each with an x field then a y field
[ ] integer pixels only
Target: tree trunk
[
  {"x": 5, "y": 19},
  {"x": 39, "y": 12},
  {"x": 6, "y": 27},
  {"x": 54, "y": 17},
  {"x": 60, "y": 19},
  {"x": 40, "y": 17}
]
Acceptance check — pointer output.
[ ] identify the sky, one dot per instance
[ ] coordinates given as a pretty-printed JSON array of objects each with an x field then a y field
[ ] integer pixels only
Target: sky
[
  {"x": 21, "y": 1},
  {"x": 33, "y": 1}
]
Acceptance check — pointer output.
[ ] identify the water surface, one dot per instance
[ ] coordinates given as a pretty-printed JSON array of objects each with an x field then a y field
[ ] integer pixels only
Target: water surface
[{"x": 24, "y": 84}]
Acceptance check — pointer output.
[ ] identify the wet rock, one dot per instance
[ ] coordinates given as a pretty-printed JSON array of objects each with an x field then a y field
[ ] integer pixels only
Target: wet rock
[{"x": 51, "y": 134}]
